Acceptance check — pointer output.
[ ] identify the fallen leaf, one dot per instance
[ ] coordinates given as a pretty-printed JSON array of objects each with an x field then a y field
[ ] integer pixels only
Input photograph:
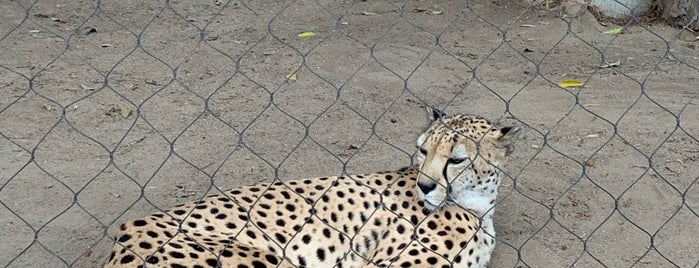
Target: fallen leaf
[
  {"x": 418, "y": 10},
  {"x": 106, "y": 45},
  {"x": 292, "y": 77},
  {"x": 436, "y": 12},
  {"x": 47, "y": 106},
  {"x": 527, "y": 25},
  {"x": 140, "y": 137},
  {"x": 609, "y": 65},
  {"x": 35, "y": 31},
  {"x": 182, "y": 192},
  {"x": 126, "y": 112},
  {"x": 151, "y": 82},
  {"x": 84, "y": 87},
  {"x": 615, "y": 30},
  {"x": 306, "y": 34},
  {"x": 592, "y": 136},
  {"x": 590, "y": 163},
  {"x": 570, "y": 83}
]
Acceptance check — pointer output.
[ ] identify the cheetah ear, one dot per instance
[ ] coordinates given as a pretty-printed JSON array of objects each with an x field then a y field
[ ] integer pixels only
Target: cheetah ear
[
  {"x": 506, "y": 137},
  {"x": 434, "y": 113}
]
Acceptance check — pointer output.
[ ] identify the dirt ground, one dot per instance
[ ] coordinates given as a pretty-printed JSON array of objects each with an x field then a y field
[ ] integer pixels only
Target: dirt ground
[{"x": 113, "y": 110}]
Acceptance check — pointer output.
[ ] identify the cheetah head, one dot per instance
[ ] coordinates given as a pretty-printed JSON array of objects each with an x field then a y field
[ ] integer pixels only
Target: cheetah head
[{"x": 458, "y": 158}]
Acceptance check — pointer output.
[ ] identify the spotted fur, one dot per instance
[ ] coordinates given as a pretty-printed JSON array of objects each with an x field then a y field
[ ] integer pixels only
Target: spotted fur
[{"x": 414, "y": 217}]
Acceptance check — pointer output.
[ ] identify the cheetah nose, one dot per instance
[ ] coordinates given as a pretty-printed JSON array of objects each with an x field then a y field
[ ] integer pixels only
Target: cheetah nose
[{"x": 427, "y": 187}]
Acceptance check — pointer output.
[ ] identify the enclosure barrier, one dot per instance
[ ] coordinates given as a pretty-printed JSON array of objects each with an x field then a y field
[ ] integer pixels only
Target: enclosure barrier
[{"x": 63, "y": 153}]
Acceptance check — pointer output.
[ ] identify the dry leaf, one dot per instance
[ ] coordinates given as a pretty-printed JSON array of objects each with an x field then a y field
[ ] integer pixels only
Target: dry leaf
[
  {"x": 306, "y": 34},
  {"x": 590, "y": 163},
  {"x": 609, "y": 65},
  {"x": 292, "y": 77},
  {"x": 436, "y": 12},
  {"x": 568, "y": 83},
  {"x": 84, "y": 87},
  {"x": 140, "y": 137},
  {"x": 592, "y": 136},
  {"x": 126, "y": 112},
  {"x": 47, "y": 106}
]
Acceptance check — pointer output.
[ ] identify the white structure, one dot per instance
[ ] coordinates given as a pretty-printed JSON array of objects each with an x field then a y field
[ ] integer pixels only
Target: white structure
[{"x": 621, "y": 9}]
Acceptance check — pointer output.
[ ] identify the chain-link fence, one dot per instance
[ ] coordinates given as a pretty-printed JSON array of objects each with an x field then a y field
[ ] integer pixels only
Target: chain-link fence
[{"x": 111, "y": 110}]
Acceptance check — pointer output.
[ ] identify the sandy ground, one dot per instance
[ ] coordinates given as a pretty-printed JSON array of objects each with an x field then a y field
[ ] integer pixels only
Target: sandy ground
[{"x": 116, "y": 110}]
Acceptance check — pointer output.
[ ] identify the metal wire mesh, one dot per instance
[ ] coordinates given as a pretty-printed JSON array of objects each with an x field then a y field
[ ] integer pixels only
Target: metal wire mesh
[{"x": 114, "y": 109}]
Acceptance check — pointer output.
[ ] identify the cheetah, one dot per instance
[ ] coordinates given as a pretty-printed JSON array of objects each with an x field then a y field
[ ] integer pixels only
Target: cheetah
[{"x": 437, "y": 212}]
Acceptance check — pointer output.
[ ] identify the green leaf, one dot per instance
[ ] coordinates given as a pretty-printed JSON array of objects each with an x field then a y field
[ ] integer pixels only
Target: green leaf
[
  {"x": 614, "y": 30},
  {"x": 306, "y": 34},
  {"x": 568, "y": 83}
]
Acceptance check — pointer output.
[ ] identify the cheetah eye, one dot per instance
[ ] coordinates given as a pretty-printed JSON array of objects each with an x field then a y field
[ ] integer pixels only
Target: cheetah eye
[
  {"x": 423, "y": 151},
  {"x": 455, "y": 161}
]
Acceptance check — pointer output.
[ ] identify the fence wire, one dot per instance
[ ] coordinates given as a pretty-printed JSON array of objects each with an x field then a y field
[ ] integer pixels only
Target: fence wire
[{"x": 112, "y": 110}]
